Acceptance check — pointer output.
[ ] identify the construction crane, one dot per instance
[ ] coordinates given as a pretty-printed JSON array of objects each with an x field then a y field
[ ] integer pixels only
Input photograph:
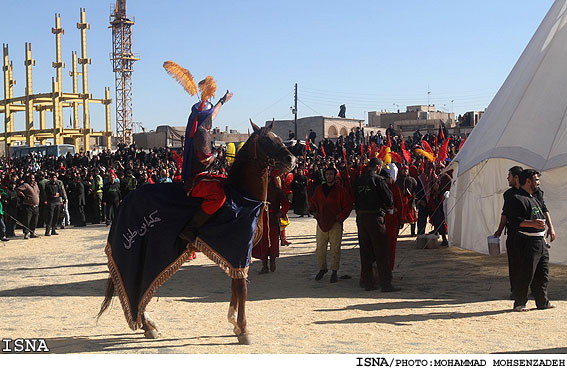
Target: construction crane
[{"x": 122, "y": 60}]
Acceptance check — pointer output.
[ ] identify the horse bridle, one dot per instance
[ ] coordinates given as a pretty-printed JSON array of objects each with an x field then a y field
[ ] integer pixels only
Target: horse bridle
[{"x": 271, "y": 162}]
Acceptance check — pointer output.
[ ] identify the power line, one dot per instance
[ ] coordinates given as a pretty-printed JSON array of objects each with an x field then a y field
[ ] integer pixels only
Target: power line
[{"x": 309, "y": 107}]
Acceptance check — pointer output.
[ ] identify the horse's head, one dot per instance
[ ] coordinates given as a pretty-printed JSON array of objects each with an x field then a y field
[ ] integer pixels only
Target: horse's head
[{"x": 270, "y": 148}]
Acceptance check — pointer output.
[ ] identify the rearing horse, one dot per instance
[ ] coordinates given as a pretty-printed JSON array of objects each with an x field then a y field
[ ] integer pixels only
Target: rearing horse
[{"x": 247, "y": 176}]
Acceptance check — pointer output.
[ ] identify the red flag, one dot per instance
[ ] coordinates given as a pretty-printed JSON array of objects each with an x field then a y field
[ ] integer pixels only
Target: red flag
[
  {"x": 383, "y": 153},
  {"x": 441, "y": 134},
  {"x": 178, "y": 159},
  {"x": 435, "y": 141},
  {"x": 288, "y": 179},
  {"x": 307, "y": 148},
  {"x": 462, "y": 142},
  {"x": 407, "y": 155},
  {"x": 346, "y": 165},
  {"x": 443, "y": 151},
  {"x": 323, "y": 150},
  {"x": 361, "y": 148},
  {"x": 389, "y": 145},
  {"x": 426, "y": 146},
  {"x": 374, "y": 150},
  {"x": 396, "y": 157}
]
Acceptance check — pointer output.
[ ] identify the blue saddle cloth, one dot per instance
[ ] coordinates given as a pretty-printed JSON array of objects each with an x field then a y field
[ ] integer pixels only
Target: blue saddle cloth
[{"x": 144, "y": 249}]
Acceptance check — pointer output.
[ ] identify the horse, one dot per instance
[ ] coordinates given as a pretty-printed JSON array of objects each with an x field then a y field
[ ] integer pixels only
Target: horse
[{"x": 249, "y": 176}]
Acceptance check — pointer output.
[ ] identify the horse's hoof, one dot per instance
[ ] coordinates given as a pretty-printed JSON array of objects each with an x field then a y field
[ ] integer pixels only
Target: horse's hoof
[
  {"x": 244, "y": 339},
  {"x": 152, "y": 334}
]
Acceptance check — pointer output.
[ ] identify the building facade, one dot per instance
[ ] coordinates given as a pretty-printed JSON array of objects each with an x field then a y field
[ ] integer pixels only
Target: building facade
[
  {"x": 323, "y": 127},
  {"x": 174, "y": 137},
  {"x": 422, "y": 117}
]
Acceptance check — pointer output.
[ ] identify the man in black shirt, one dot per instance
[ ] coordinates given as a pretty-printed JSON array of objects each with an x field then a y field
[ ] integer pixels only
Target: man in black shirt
[
  {"x": 52, "y": 203},
  {"x": 514, "y": 183},
  {"x": 372, "y": 200},
  {"x": 529, "y": 253},
  {"x": 77, "y": 201}
]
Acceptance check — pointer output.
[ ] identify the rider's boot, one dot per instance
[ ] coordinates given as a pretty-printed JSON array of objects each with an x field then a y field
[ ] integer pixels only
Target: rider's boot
[{"x": 189, "y": 232}]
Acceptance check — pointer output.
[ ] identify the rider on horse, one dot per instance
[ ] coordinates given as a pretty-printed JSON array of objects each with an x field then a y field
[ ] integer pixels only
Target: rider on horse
[{"x": 197, "y": 161}]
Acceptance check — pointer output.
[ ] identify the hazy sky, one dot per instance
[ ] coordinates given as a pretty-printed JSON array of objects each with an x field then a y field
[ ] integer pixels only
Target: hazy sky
[{"x": 369, "y": 55}]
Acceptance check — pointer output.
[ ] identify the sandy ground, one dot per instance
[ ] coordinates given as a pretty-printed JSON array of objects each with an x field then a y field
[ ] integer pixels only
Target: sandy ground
[{"x": 453, "y": 301}]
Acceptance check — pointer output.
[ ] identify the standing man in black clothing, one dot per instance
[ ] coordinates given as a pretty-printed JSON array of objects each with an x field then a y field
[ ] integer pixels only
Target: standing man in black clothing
[
  {"x": 312, "y": 136},
  {"x": 52, "y": 203},
  {"x": 77, "y": 201},
  {"x": 373, "y": 199},
  {"x": 529, "y": 253},
  {"x": 111, "y": 197},
  {"x": 514, "y": 184}
]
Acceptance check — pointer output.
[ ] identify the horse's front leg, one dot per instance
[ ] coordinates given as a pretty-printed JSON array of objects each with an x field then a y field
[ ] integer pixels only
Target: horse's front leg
[
  {"x": 151, "y": 330},
  {"x": 232, "y": 309},
  {"x": 239, "y": 287}
]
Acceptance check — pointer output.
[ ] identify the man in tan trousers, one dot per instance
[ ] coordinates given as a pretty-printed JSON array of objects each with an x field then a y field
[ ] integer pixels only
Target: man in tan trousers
[{"x": 330, "y": 205}]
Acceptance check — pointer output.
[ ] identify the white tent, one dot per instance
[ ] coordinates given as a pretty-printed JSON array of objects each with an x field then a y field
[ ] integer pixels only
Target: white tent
[{"x": 526, "y": 125}]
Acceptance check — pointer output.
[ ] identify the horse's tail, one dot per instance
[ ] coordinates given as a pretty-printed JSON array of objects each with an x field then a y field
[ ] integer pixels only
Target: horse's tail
[{"x": 109, "y": 293}]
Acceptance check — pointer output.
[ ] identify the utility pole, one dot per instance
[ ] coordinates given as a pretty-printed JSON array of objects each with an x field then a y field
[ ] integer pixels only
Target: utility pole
[
  {"x": 428, "y": 93},
  {"x": 295, "y": 112}
]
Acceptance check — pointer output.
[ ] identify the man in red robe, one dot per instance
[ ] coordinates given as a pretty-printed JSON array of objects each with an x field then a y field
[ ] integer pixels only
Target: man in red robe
[
  {"x": 407, "y": 185},
  {"x": 269, "y": 245},
  {"x": 392, "y": 220}
]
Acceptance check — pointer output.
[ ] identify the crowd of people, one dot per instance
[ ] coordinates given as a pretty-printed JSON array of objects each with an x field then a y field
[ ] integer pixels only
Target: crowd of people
[
  {"x": 384, "y": 178},
  {"x": 387, "y": 188},
  {"x": 86, "y": 188}
]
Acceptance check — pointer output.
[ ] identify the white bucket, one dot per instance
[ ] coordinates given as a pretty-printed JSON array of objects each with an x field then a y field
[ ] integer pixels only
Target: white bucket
[
  {"x": 493, "y": 245},
  {"x": 427, "y": 241}
]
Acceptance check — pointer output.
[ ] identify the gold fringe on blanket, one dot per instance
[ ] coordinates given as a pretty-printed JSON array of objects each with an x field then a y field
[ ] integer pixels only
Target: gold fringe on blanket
[
  {"x": 199, "y": 245},
  {"x": 234, "y": 273},
  {"x": 149, "y": 293}
]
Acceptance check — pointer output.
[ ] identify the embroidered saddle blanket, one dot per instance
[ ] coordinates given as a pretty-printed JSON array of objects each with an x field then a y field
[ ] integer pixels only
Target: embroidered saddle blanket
[{"x": 144, "y": 249}]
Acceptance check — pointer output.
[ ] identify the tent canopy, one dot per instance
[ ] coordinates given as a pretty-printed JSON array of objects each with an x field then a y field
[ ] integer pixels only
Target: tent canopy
[{"x": 526, "y": 125}]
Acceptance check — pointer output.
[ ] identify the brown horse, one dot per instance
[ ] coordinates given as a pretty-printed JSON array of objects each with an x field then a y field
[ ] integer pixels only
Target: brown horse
[{"x": 249, "y": 176}]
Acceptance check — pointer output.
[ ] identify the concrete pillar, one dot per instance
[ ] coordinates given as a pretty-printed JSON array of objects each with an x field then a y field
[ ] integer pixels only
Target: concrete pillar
[
  {"x": 29, "y": 63},
  {"x": 108, "y": 133},
  {"x": 58, "y": 64},
  {"x": 84, "y": 62},
  {"x": 42, "y": 123},
  {"x": 74, "y": 74},
  {"x": 12, "y": 83},
  {"x": 7, "y": 88},
  {"x": 57, "y": 113}
]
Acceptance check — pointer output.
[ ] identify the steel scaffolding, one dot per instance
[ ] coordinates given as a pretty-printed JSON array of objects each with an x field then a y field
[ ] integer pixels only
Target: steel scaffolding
[
  {"x": 123, "y": 65},
  {"x": 53, "y": 101}
]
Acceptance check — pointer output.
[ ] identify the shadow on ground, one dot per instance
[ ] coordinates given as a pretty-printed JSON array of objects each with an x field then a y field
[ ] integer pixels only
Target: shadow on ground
[
  {"x": 419, "y": 273},
  {"x": 119, "y": 343}
]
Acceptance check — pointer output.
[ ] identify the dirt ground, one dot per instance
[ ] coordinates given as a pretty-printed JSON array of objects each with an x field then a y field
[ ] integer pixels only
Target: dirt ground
[{"x": 452, "y": 302}]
